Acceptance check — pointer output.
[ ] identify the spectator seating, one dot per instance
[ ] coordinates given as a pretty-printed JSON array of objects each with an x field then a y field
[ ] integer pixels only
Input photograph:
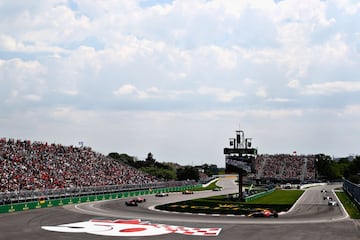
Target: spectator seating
[
  {"x": 26, "y": 165},
  {"x": 285, "y": 167}
]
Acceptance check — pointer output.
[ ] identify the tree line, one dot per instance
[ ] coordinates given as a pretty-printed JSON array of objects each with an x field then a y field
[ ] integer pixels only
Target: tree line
[
  {"x": 166, "y": 171},
  {"x": 336, "y": 169},
  {"x": 326, "y": 168}
]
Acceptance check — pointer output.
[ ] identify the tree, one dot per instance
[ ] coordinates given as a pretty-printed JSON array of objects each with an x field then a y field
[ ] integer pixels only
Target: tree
[
  {"x": 124, "y": 158},
  {"x": 333, "y": 171},
  {"x": 150, "y": 161},
  {"x": 161, "y": 173},
  {"x": 323, "y": 166},
  {"x": 187, "y": 173},
  {"x": 210, "y": 170},
  {"x": 330, "y": 169},
  {"x": 354, "y": 170}
]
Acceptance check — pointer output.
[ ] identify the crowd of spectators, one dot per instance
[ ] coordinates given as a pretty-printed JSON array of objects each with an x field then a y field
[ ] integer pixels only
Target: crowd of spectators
[
  {"x": 26, "y": 165},
  {"x": 285, "y": 167}
]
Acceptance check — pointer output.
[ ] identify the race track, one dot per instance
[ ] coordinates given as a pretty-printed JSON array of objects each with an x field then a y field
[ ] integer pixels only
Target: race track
[{"x": 310, "y": 218}]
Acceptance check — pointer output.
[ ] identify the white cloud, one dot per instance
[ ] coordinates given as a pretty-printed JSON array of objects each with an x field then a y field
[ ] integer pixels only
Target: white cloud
[
  {"x": 180, "y": 93},
  {"x": 352, "y": 110},
  {"x": 335, "y": 49},
  {"x": 21, "y": 80},
  {"x": 261, "y": 92},
  {"x": 293, "y": 83},
  {"x": 225, "y": 59},
  {"x": 153, "y": 90},
  {"x": 328, "y": 88},
  {"x": 7, "y": 42},
  {"x": 129, "y": 89},
  {"x": 177, "y": 76},
  {"x": 61, "y": 112},
  {"x": 126, "y": 90},
  {"x": 32, "y": 97},
  {"x": 284, "y": 100},
  {"x": 25, "y": 68},
  {"x": 276, "y": 114},
  {"x": 71, "y": 92},
  {"x": 62, "y": 62},
  {"x": 349, "y": 7},
  {"x": 222, "y": 95},
  {"x": 249, "y": 81},
  {"x": 250, "y": 114}
]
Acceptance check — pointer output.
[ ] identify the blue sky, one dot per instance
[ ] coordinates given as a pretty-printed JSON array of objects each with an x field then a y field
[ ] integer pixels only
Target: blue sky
[{"x": 177, "y": 78}]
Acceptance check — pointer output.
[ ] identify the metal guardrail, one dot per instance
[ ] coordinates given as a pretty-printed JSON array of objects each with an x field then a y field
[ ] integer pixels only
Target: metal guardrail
[
  {"x": 353, "y": 190},
  {"x": 34, "y": 195},
  {"x": 64, "y": 200}
]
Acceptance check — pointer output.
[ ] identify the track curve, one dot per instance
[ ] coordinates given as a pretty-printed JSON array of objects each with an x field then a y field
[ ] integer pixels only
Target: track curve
[{"x": 310, "y": 218}]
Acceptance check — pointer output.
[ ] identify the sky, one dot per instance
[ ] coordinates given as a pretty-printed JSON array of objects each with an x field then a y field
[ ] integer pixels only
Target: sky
[{"x": 177, "y": 78}]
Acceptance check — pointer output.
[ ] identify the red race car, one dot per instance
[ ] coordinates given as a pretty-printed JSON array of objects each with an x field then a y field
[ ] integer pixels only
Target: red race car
[
  {"x": 139, "y": 199},
  {"x": 131, "y": 203}
]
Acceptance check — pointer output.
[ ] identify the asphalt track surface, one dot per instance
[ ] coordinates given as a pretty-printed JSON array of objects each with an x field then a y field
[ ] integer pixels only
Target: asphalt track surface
[{"x": 310, "y": 218}]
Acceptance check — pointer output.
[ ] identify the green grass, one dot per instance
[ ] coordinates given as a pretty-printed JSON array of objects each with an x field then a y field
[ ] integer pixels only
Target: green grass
[
  {"x": 279, "y": 197},
  {"x": 279, "y": 200},
  {"x": 349, "y": 205}
]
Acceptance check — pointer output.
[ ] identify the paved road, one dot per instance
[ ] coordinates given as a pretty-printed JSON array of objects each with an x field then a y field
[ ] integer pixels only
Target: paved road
[{"x": 311, "y": 218}]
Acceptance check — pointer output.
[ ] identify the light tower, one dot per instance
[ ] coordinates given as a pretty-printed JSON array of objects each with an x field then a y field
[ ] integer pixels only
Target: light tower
[{"x": 240, "y": 157}]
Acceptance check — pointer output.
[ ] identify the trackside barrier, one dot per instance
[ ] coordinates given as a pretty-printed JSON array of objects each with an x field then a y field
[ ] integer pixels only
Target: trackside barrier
[
  {"x": 210, "y": 182},
  {"x": 42, "y": 203},
  {"x": 353, "y": 190},
  {"x": 258, "y": 195}
]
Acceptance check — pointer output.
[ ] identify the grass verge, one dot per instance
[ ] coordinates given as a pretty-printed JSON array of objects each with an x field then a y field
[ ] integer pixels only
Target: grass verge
[
  {"x": 349, "y": 205},
  {"x": 279, "y": 200},
  {"x": 279, "y": 197}
]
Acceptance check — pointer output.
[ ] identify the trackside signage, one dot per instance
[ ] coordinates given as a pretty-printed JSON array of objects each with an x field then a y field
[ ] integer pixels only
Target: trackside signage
[{"x": 45, "y": 203}]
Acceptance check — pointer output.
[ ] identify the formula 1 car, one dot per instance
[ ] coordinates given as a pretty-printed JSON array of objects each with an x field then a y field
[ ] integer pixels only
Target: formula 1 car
[
  {"x": 327, "y": 197},
  {"x": 139, "y": 199},
  {"x": 187, "y": 192},
  {"x": 333, "y": 203},
  {"x": 161, "y": 195},
  {"x": 131, "y": 203},
  {"x": 264, "y": 213}
]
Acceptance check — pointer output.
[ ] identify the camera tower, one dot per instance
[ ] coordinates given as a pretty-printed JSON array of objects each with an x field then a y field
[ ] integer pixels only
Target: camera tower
[{"x": 240, "y": 157}]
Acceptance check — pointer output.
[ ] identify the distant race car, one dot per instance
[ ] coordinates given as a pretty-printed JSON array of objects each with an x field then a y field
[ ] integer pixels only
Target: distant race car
[
  {"x": 327, "y": 197},
  {"x": 333, "y": 203},
  {"x": 187, "y": 192},
  {"x": 217, "y": 189},
  {"x": 323, "y": 190},
  {"x": 264, "y": 213},
  {"x": 131, "y": 203},
  {"x": 139, "y": 199},
  {"x": 161, "y": 195}
]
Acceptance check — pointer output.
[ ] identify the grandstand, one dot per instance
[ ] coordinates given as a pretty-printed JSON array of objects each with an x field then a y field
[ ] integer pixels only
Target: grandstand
[
  {"x": 26, "y": 165},
  {"x": 285, "y": 167}
]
